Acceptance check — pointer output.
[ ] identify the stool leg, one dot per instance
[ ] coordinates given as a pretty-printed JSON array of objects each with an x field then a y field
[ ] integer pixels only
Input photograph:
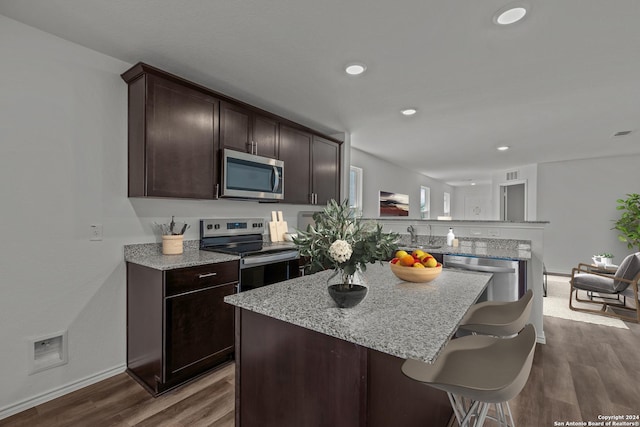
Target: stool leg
[
  {"x": 459, "y": 408},
  {"x": 483, "y": 415},
  {"x": 510, "y": 416},
  {"x": 502, "y": 420}
]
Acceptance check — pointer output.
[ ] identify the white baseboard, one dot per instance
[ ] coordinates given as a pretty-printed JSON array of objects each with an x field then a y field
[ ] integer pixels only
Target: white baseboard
[{"x": 13, "y": 409}]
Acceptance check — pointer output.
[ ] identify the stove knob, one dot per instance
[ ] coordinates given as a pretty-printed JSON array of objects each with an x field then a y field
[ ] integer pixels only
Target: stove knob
[
  {"x": 217, "y": 226},
  {"x": 209, "y": 226}
]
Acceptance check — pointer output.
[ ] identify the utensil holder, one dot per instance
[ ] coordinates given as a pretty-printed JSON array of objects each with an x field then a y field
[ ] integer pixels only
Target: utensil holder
[{"x": 172, "y": 244}]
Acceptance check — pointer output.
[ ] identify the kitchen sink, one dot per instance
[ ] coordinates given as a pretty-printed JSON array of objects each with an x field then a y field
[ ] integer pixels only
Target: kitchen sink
[{"x": 429, "y": 247}]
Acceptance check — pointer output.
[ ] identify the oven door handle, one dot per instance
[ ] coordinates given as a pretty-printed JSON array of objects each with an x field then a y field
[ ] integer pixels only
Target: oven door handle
[{"x": 269, "y": 259}]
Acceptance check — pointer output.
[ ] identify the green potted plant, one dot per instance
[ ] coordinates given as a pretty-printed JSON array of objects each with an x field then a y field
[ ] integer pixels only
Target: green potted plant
[
  {"x": 341, "y": 241},
  {"x": 629, "y": 223},
  {"x": 603, "y": 258}
]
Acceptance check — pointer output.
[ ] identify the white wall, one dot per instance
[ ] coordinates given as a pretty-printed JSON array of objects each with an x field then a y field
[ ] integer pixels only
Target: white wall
[
  {"x": 473, "y": 202},
  {"x": 380, "y": 175},
  {"x": 63, "y": 166},
  {"x": 578, "y": 197},
  {"x": 526, "y": 173}
]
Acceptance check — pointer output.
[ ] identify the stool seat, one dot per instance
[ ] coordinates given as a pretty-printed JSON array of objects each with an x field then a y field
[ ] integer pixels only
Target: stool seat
[
  {"x": 485, "y": 369},
  {"x": 498, "y": 318}
]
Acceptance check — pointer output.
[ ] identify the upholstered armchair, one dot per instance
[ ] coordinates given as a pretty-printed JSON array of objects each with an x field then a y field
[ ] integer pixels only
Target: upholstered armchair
[{"x": 605, "y": 290}]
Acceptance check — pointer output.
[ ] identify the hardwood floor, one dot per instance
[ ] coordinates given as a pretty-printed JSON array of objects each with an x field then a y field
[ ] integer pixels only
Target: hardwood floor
[
  {"x": 120, "y": 401},
  {"x": 583, "y": 371}
]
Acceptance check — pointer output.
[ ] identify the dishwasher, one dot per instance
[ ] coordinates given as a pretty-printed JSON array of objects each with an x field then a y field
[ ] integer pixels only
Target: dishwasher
[{"x": 505, "y": 284}]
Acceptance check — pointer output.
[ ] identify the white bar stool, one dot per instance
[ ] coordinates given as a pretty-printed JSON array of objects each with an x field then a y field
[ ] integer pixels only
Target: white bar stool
[
  {"x": 477, "y": 371},
  {"x": 498, "y": 318}
]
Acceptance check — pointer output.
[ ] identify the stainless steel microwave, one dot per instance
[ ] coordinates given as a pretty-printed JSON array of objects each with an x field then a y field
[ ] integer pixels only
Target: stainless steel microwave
[{"x": 248, "y": 176}]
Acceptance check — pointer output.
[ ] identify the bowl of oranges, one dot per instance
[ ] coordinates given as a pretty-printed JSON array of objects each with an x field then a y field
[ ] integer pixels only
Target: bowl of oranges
[{"x": 417, "y": 266}]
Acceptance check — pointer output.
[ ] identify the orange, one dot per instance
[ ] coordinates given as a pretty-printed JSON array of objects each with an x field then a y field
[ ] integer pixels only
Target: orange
[{"x": 406, "y": 260}]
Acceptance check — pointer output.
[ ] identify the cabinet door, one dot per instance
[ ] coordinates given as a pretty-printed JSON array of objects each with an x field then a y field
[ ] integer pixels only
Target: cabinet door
[
  {"x": 199, "y": 331},
  {"x": 325, "y": 161},
  {"x": 235, "y": 127},
  {"x": 180, "y": 141},
  {"x": 295, "y": 151},
  {"x": 265, "y": 136}
]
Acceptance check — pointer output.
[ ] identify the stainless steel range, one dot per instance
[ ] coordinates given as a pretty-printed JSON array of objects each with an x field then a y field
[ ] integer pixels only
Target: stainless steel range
[{"x": 261, "y": 263}]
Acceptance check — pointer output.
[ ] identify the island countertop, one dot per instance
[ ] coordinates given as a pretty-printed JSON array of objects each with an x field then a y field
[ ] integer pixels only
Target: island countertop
[{"x": 406, "y": 320}]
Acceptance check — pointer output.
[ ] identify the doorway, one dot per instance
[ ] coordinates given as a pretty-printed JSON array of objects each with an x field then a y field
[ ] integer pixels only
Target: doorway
[{"x": 513, "y": 202}]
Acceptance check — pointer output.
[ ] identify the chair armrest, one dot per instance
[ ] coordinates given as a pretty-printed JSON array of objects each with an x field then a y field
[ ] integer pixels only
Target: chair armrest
[
  {"x": 587, "y": 268},
  {"x": 583, "y": 268}
]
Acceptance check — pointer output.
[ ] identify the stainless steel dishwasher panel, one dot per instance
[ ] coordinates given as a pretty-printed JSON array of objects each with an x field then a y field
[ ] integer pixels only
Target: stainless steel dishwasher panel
[{"x": 503, "y": 286}]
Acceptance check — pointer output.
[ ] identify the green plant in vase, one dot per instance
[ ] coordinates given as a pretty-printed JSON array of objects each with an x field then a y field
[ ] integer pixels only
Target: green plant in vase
[
  {"x": 629, "y": 223},
  {"x": 343, "y": 242}
]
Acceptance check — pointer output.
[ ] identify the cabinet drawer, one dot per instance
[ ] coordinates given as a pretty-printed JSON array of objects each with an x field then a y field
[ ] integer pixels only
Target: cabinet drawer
[{"x": 193, "y": 278}]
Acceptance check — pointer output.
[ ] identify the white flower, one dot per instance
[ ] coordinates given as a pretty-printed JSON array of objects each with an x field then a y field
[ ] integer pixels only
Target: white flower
[{"x": 340, "y": 251}]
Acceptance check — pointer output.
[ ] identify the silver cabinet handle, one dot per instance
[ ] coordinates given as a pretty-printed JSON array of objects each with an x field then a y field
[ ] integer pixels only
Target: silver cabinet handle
[{"x": 202, "y": 276}]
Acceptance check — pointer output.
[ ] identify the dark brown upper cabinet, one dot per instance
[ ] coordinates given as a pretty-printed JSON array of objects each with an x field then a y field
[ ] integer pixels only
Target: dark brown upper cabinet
[
  {"x": 173, "y": 132},
  {"x": 325, "y": 170},
  {"x": 295, "y": 151},
  {"x": 266, "y": 136},
  {"x": 177, "y": 130},
  {"x": 243, "y": 130},
  {"x": 312, "y": 172}
]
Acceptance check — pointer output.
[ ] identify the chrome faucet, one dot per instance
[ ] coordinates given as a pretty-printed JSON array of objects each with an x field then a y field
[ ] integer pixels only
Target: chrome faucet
[
  {"x": 430, "y": 241},
  {"x": 414, "y": 234}
]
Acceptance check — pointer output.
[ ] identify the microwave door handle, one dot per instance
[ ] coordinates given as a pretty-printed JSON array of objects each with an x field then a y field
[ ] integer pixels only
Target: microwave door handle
[{"x": 276, "y": 179}]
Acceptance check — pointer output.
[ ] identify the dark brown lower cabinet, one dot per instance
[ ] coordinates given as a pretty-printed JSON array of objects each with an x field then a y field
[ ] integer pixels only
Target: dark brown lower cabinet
[
  {"x": 178, "y": 325},
  {"x": 289, "y": 376}
]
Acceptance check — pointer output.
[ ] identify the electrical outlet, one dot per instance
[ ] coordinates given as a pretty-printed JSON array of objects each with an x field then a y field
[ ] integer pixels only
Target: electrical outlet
[{"x": 95, "y": 232}]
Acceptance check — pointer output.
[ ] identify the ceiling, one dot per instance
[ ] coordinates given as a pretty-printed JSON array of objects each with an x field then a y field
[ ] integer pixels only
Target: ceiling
[{"x": 555, "y": 86}]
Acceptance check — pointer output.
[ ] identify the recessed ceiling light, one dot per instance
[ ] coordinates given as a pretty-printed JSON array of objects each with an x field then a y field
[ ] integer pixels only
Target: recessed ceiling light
[
  {"x": 502, "y": 148},
  {"x": 509, "y": 15},
  {"x": 409, "y": 111},
  {"x": 473, "y": 183},
  {"x": 355, "y": 69}
]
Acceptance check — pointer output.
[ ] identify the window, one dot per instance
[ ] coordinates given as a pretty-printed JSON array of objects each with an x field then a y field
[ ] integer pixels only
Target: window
[
  {"x": 355, "y": 189},
  {"x": 447, "y": 204},
  {"x": 425, "y": 202}
]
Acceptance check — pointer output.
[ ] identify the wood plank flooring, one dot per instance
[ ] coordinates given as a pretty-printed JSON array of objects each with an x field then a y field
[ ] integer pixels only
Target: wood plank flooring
[{"x": 583, "y": 371}]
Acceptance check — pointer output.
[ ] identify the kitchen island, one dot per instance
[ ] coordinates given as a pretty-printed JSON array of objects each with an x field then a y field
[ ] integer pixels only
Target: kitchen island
[{"x": 300, "y": 361}]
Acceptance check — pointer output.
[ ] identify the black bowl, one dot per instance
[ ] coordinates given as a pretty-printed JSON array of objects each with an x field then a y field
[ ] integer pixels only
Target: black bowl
[{"x": 346, "y": 296}]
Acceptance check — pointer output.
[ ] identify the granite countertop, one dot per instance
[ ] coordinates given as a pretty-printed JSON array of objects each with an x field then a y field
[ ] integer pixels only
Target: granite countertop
[
  {"x": 150, "y": 255},
  {"x": 406, "y": 320},
  {"x": 445, "y": 221},
  {"x": 485, "y": 248},
  {"x": 482, "y": 252}
]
